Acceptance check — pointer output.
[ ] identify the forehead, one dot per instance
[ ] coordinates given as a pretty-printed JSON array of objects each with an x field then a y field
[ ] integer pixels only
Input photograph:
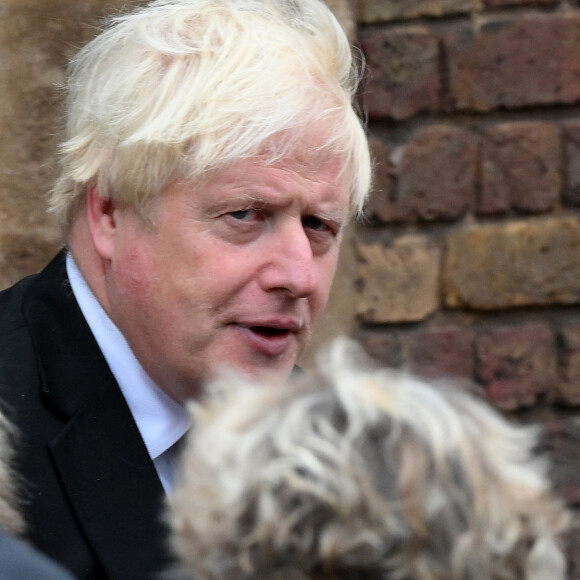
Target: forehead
[{"x": 320, "y": 179}]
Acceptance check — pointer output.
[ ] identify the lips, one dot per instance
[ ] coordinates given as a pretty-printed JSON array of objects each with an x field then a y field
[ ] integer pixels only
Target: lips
[
  {"x": 268, "y": 331},
  {"x": 273, "y": 326},
  {"x": 270, "y": 337}
]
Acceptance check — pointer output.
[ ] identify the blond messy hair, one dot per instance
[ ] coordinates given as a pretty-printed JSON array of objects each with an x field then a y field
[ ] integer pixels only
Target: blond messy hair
[
  {"x": 183, "y": 87},
  {"x": 362, "y": 472}
]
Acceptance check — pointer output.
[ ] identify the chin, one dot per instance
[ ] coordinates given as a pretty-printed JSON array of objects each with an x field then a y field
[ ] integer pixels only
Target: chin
[{"x": 262, "y": 367}]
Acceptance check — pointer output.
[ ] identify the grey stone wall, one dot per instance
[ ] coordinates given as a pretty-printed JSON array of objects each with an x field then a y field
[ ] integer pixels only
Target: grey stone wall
[{"x": 36, "y": 40}]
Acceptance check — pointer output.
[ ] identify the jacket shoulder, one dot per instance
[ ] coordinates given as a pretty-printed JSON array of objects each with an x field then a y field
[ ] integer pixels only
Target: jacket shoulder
[{"x": 11, "y": 301}]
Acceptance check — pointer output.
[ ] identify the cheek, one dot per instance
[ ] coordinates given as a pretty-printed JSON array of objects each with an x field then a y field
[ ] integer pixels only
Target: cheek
[
  {"x": 198, "y": 284},
  {"x": 138, "y": 273},
  {"x": 138, "y": 287},
  {"x": 224, "y": 268}
]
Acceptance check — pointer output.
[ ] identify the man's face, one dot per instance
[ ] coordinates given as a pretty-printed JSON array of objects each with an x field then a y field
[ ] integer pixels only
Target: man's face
[{"x": 235, "y": 272}]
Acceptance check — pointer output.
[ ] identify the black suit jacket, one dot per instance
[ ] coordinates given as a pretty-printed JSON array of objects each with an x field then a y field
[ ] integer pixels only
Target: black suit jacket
[{"x": 92, "y": 495}]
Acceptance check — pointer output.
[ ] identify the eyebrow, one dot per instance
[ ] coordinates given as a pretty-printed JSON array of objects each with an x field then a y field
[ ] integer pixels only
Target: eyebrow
[
  {"x": 256, "y": 198},
  {"x": 338, "y": 217},
  {"x": 258, "y": 201},
  {"x": 241, "y": 198}
]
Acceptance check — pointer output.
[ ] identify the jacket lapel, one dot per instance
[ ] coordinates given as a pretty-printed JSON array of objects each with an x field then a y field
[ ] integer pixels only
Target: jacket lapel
[
  {"x": 101, "y": 459},
  {"x": 113, "y": 488}
]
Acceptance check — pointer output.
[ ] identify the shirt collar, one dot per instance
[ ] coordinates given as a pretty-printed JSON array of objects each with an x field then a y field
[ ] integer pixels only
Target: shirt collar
[{"x": 160, "y": 420}]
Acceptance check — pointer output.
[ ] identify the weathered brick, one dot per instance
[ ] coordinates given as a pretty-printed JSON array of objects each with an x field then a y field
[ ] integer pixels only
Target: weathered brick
[
  {"x": 521, "y": 168},
  {"x": 398, "y": 283},
  {"x": 437, "y": 172},
  {"x": 440, "y": 352},
  {"x": 386, "y": 10},
  {"x": 516, "y": 364},
  {"x": 402, "y": 72},
  {"x": 568, "y": 391},
  {"x": 502, "y": 3},
  {"x": 385, "y": 347},
  {"x": 499, "y": 266},
  {"x": 572, "y": 148},
  {"x": 514, "y": 63}
]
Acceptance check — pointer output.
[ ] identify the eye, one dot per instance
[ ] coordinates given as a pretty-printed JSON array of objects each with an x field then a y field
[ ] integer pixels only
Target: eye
[
  {"x": 323, "y": 234},
  {"x": 244, "y": 215},
  {"x": 239, "y": 222},
  {"x": 242, "y": 224},
  {"x": 313, "y": 223}
]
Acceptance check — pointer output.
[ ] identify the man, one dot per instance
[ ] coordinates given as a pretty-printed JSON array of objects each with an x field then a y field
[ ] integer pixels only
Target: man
[{"x": 211, "y": 161}]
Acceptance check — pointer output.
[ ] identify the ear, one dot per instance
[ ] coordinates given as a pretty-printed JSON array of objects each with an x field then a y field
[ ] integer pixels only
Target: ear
[{"x": 102, "y": 223}]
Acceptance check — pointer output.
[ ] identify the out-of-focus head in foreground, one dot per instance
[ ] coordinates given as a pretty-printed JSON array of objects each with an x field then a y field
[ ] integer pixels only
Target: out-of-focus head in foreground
[{"x": 360, "y": 472}]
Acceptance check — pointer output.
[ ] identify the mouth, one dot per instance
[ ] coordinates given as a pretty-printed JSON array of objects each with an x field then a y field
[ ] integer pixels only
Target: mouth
[
  {"x": 271, "y": 338},
  {"x": 269, "y": 331}
]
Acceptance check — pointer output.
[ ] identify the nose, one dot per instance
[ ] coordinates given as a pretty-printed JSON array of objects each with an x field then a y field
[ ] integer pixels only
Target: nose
[{"x": 290, "y": 264}]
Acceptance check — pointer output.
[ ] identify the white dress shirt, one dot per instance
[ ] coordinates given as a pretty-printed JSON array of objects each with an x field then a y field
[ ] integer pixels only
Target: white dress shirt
[{"x": 160, "y": 420}]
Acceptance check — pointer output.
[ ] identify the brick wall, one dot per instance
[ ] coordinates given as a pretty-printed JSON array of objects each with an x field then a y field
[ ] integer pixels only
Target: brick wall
[{"x": 469, "y": 261}]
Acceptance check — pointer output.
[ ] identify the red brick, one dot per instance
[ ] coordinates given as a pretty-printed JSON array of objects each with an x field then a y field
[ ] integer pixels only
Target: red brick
[
  {"x": 572, "y": 148},
  {"x": 521, "y": 168},
  {"x": 514, "y": 63},
  {"x": 501, "y": 3},
  {"x": 437, "y": 173},
  {"x": 568, "y": 391},
  {"x": 387, "y": 10},
  {"x": 384, "y": 347},
  {"x": 516, "y": 365},
  {"x": 440, "y": 352},
  {"x": 402, "y": 73},
  {"x": 571, "y": 352}
]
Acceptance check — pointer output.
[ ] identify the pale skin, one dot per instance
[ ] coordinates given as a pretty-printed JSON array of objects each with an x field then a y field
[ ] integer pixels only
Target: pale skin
[{"x": 235, "y": 272}]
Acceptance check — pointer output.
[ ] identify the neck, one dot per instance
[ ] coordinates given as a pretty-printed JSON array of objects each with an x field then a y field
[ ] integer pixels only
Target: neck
[{"x": 88, "y": 261}]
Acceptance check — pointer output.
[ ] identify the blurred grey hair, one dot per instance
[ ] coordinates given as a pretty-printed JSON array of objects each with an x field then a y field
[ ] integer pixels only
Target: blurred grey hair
[
  {"x": 179, "y": 88},
  {"x": 361, "y": 473}
]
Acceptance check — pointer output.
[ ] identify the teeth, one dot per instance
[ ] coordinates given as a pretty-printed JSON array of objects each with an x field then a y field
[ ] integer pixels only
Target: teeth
[{"x": 268, "y": 331}]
